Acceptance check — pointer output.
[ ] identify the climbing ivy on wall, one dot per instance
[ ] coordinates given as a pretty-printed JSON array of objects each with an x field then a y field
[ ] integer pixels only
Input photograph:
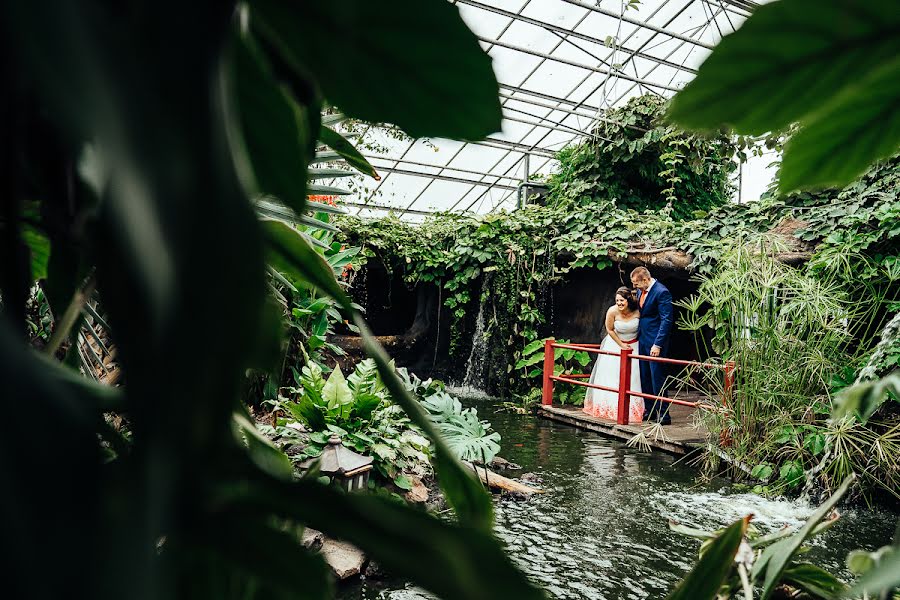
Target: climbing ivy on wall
[
  {"x": 637, "y": 161},
  {"x": 855, "y": 233}
]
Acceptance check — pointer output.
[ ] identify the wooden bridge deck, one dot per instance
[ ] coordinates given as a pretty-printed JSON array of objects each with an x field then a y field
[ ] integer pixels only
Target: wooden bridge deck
[{"x": 682, "y": 436}]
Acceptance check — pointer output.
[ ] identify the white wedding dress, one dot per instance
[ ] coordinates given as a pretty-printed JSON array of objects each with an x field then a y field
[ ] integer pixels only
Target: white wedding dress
[{"x": 603, "y": 404}]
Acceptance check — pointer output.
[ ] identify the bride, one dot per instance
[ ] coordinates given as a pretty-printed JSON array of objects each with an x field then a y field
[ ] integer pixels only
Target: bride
[{"x": 622, "y": 325}]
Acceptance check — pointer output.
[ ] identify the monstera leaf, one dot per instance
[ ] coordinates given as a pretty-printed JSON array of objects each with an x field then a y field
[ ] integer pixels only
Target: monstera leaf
[{"x": 468, "y": 438}]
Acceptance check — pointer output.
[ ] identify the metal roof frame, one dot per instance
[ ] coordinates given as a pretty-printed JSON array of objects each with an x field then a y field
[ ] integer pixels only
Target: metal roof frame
[{"x": 540, "y": 118}]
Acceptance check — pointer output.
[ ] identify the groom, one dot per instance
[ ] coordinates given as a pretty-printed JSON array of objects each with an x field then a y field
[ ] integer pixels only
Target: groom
[{"x": 655, "y": 301}]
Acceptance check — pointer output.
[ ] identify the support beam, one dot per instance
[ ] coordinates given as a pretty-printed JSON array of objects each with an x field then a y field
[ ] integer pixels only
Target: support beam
[
  {"x": 638, "y": 23},
  {"x": 446, "y": 177},
  {"x": 593, "y": 118},
  {"x": 572, "y": 63},
  {"x": 557, "y": 101},
  {"x": 575, "y": 34},
  {"x": 494, "y": 142},
  {"x": 406, "y": 161},
  {"x": 394, "y": 209}
]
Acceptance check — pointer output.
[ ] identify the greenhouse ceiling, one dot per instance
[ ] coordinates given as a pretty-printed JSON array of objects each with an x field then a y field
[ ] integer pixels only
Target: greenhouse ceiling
[{"x": 558, "y": 63}]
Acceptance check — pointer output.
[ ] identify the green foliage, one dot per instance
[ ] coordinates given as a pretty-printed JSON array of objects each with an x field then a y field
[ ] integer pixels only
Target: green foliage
[
  {"x": 359, "y": 410},
  {"x": 841, "y": 85},
  {"x": 188, "y": 115},
  {"x": 761, "y": 313},
  {"x": 737, "y": 559},
  {"x": 862, "y": 400},
  {"x": 519, "y": 255},
  {"x": 566, "y": 362},
  {"x": 375, "y": 64},
  {"x": 277, "y": 163},
  {"x": 636, "y": 161},
  {"x": 706, "y": 578},
  {"x": 468, "y": 436}
]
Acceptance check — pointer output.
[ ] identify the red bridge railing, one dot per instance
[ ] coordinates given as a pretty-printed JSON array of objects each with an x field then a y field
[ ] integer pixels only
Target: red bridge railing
[{"x": 626, "y": 358}]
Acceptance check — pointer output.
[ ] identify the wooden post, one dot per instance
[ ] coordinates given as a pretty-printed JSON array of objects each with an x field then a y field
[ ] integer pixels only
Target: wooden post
[
  {"x": 624, "y": 387},
  {"x": 729, "y": 381},
  {"x": 547, "y": 396}
]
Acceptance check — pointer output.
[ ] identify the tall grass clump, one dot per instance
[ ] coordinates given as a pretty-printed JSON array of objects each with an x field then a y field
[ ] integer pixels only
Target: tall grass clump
[{"x": 794, "y": 334}]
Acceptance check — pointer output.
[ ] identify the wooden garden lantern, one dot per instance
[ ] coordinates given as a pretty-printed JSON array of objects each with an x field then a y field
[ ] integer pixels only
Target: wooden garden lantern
[{"x": 345, "y": 467}]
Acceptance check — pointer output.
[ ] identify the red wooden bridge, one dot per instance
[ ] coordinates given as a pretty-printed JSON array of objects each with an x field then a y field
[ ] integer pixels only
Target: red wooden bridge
[{"x": 685, "y": 432}]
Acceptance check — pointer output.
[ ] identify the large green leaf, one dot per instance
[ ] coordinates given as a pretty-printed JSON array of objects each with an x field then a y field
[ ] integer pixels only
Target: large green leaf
[
  {"x": 336, "y": 392},
  {"x": 465, "y": 434},
  {"x": 863, "y": 399},
  {"x": 832, "y": 66},
  {"x": 450, "y": 560},
  {"x": 813, "y": 580},
  {"x": 364, "y": 378},
  {"x": 468, "y": 439},
  {"x": 786, "y": 61},
  {"x": 291, "y": 253},
  {"x": 278, "y": 565},
  {"x": 261, "y": 449},
  {"x": 276, "y": 137},
  {"x": 885, "y": 576},
  {"x": 413, "y": 63},
  {"x": 365, "y": 404},
  {"x": 707, "y": 576},
  {"x": 39, "y": 248},
  {"x": 307, "y": 411},
  {"x": 776, "y": 558},
  {"x": 347, "y": 151},
  {"x": 860, "y": 126}
]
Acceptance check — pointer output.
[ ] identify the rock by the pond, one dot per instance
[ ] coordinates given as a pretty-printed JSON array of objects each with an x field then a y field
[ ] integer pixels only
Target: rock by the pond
[
  {"x": 530, "y": 478},
  {"x": 344, "y": 559},
  {"x": 312, "y": 539},
  {"x": 419, "y": 493},
  {"x": 504, "y": 465},
  {"x": 374, "y": 571},
  {"x": 294, "y": 449}
]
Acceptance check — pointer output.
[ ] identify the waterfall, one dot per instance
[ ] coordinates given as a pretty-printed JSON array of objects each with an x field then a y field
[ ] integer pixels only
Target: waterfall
[{"x": 473, "y": 382}]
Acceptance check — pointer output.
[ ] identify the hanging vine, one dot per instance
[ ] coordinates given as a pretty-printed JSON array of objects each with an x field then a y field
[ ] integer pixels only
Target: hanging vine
[{"x": 598, "y": 214}]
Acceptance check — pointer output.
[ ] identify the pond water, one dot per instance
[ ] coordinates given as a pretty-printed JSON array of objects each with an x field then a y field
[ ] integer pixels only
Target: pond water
[{"x": 601, "y": 529}]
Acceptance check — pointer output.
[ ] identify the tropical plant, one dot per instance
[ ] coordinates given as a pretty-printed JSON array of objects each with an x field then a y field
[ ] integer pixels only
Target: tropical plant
[
  {"x": 191, "y": 116},
  {"x": 469, "y": 437},
  {"x": 842, "y": 127},
  {"x": 640, "y": 162},
  {"x": 849, "y": 237},
  {"x": 841, "y": 116},
  {"x": 736, "y": 560},
  {"x": 761, "y": 313},
  {"x": 358, "y": 409}
]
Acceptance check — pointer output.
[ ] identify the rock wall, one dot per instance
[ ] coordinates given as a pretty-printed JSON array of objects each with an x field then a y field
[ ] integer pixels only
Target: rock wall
[{"x": 415, "y": 328}]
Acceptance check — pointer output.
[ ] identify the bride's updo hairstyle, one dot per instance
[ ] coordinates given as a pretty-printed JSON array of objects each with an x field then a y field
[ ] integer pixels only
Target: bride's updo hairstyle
[{"x": 628, "y": 295}]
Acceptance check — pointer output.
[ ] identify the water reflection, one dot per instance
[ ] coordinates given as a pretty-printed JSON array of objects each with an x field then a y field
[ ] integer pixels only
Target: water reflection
[{"x": 601, "y": 529}]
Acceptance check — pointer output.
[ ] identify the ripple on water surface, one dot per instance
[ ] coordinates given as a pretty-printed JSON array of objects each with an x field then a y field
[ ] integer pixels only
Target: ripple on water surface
[{"x": 601, "y": 529}]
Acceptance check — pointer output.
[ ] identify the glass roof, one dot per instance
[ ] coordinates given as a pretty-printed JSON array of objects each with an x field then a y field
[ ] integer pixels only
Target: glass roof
[{"x": 558, "y": 62}]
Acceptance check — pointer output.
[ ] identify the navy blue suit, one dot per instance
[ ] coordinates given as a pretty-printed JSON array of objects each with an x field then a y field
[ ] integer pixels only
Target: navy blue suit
[{"x": 657, "y": 316}]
